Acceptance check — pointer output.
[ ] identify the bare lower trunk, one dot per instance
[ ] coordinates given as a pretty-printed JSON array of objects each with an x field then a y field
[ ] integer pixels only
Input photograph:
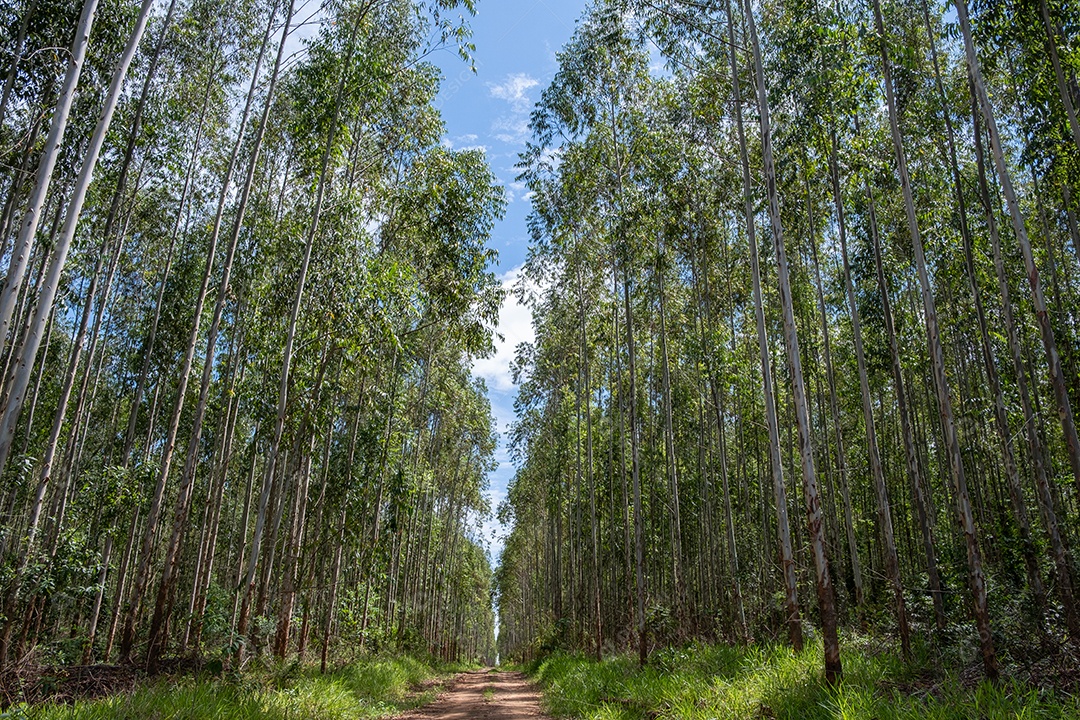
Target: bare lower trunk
[
  {"x": 892, "y": 562},
  {"x": 20, "y": 256},
  {"x": 1031, "y": 422},
  {"x": 826, "y": 594},
  {"x": 783, "y": 526},
  {"x": 976, "y": 578}
]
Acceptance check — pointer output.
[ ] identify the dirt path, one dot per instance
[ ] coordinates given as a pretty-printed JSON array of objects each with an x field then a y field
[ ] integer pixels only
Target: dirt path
[{"x": 484, "y": 695}]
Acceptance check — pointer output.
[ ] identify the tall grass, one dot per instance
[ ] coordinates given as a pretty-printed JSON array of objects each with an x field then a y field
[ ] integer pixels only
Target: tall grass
[
  {"x": 705, "y": 683},
  {"x": 371, "y": 688}
]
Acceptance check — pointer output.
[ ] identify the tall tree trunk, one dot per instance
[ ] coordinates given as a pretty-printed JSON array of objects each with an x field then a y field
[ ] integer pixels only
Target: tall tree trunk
[
  {"x": 28, "y": 229},
  {"x": 27, "y": 353},
  {"x": 594, "y": 554},
  {"x": 834, "y": 411},
  {"x": 91, "y": 631},
  {"x": 1042, "y": 314},
  {"x": 922, "y": 503},
  {"x": 783, "y": 526},
  {"x": 635, "y": 468},
  {"x": 142, "y": 574},
  {"x": 290, "y": 339},
  {"x": 826, "y": 594},
  {"x": 163, "y": 606},
  {"x": 715, "y": 376},
  {"x": 1001, "y": 421},
  {"x": 976, "y": 578},
  {"x": 669, "y": 446},
  {"x": 1031, "y": 422},
  {"x": 892, "y": 562}
]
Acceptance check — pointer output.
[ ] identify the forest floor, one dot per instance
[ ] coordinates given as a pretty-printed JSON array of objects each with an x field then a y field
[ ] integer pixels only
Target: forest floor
[{"x": 484, "y": 695}]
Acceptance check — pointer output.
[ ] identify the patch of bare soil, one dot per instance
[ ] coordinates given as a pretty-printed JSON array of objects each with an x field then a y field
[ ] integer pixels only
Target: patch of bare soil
[{"x": 484, "y": 695}]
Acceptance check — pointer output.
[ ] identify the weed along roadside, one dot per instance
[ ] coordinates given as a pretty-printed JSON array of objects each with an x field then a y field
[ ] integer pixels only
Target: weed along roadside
[
  {"x": 702, "y": 682},
  {"x": 368, "y": 688}
]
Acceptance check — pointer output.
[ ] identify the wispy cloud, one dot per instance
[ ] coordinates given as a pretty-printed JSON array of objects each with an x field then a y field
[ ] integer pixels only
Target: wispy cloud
[
  {"x": 513, "y": 128},
  {"x": 464, "y": 142},
  {"x": 514, "y": 90}
]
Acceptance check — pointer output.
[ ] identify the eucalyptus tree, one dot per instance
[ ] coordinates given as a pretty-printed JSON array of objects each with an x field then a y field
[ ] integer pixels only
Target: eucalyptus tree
[
  {"x": 976, "y": 576},
  {"x": 398, "y": 280},
  {"x": 28, "y": 350},
  {"x": 142, "y": 574},
  {"x": 591, "y": 113},
  {"x": 43, "y": 176},
  {"x": 187, "y": 478}
]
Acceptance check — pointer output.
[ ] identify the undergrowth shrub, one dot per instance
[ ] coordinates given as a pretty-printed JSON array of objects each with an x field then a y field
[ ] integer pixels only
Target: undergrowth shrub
[
  {"x": 701, "y": 682},
  {"x": 374, "y": 687}
]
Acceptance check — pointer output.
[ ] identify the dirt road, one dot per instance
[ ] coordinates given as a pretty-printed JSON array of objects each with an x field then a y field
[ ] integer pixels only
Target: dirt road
[{"x": 484, "y": 695}]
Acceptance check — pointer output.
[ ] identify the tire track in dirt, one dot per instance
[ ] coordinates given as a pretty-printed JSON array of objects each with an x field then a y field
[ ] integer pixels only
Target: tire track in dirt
[{"x": 484, "y": 695}]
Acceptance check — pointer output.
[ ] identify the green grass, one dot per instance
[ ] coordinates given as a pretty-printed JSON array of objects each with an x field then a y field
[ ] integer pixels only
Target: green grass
[
  {"x": 371, "y": 688},
  {"x": 706, "y": 682}
]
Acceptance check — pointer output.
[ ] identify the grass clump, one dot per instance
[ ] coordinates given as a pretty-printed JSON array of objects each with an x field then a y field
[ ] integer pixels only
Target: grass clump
[
  {"x": 370, "y": 688},
  {"x": 703, "y": 682}
]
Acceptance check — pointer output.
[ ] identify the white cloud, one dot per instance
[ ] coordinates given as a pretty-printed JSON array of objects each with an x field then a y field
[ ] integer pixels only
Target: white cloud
[
  {"x": 514, "y": 90},
  {"x": 515, "y": 327},
  {"x": 515, "y": 190},
  {"x": 464, "y": 143},
  {"x": 513, "y": 128}
]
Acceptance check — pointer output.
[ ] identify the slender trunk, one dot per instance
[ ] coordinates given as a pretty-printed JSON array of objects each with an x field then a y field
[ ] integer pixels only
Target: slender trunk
[
  {"x": 91, "y": 632},
  {"x": 976, "y": 578},
  {"x": 335, "y": 577},
  {"x": 1000, "y": 415},
  {"x": 1031, "y": 422},
  {"x": 28, "y": 229},
  {"x": 148, "y": 345},
  {"x": 669, "y": 447},
  {"x": 594, "y": 559},
  {"x": 825, "y": 592},
  {"x": 892, "y": 562},
  {"x": 834, "y": 410},
  {"x": 914, "y": 471},
  {"x": 714, "y": 376},
  {"x": 162, "y": 605},
  {"x": 290, "y": 339},
  {"x": 1042, "y": 314},
  {"x": 783, "y": 525},
  {"x": 635, "y": 471},
  {"x": 27, "y": 354}
]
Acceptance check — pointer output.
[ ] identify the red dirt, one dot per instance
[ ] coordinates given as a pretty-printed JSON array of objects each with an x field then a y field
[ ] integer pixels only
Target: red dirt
[{"x": 510, "y": 696}]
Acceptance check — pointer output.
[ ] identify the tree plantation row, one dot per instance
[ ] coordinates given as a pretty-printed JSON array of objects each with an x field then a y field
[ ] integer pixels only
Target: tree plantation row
[
  {"x": 245, "y": 287},
  {"x": 805, "y": 282}
]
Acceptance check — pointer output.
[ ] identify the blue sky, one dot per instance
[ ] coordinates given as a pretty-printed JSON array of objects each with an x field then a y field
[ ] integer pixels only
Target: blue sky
[{"x": 516, "y": 42}]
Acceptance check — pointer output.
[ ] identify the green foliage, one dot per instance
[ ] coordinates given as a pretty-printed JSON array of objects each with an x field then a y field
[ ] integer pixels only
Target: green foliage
[
  {"x": 381, "y": 417},
  {"x": 371, "y": 688},
  {"x": 701, "y": 681}
]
